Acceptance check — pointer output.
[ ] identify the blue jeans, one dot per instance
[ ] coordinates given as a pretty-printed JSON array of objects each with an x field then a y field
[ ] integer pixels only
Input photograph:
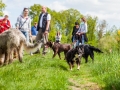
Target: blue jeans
[
  {"x": 26, "y": 34},
  {"x": 76, "y": 42},
  {"x": 83, "y": 39}
]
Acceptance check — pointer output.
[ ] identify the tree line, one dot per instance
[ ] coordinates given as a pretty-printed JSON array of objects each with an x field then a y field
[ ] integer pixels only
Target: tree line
[{"x": 98, "y": 34}]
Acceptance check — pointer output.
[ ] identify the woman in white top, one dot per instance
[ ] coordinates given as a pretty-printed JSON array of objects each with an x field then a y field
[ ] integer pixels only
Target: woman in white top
[
  {"x": 24, "y": 23},
  {"x": 82, "y": 30},
  {"x": 58, "y": 37}
]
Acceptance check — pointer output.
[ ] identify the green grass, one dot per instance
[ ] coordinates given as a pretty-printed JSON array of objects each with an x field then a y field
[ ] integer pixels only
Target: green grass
[{"x": 44, "y": 73}]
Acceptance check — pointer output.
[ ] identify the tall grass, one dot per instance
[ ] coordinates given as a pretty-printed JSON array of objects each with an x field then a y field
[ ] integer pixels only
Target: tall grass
[
  {"x": 107, "y": 70},
  {"x": 44, "y": 73}
]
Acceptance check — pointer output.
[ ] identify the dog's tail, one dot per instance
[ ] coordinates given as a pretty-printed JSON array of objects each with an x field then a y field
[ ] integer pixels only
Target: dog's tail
[
  {"x": 95, "y": 49},
  {"x": 30, "y": 48}
]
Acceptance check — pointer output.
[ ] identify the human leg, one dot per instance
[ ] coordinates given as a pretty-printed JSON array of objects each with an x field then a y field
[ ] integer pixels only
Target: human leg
[
  {"x": 83, "y": 39},
  {"x": 45, "y": 40}
]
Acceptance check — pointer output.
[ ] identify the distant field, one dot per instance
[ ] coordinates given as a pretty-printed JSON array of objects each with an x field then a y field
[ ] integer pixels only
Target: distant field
[{"x": 44, "y": 73}]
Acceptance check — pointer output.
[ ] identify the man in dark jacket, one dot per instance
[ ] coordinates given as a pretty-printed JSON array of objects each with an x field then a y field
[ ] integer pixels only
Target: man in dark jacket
[{"x": 43, "y": 27}]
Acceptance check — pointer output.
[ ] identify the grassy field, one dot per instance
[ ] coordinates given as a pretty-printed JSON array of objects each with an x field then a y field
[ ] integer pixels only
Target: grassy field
[{"x": 44, "y": 73}]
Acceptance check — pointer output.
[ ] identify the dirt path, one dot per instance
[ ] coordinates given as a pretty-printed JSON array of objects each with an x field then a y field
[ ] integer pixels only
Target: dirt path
[{"x": 87, "y": 85}]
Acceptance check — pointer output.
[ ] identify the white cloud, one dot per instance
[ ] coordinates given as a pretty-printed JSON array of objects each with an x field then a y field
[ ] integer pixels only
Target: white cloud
[
  {"x": 57, "y": 6},
  {"x": 104, "y": 9},
  {"x": 6, "y": 13}
]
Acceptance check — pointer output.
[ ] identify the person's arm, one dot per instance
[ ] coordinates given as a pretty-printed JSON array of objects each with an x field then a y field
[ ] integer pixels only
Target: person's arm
[
  {"x": 85, "y": 29},
  {"x": 78, "y": 32},
  {"x": 1, "y": 26},
  {"x": 8, "y": 24},
  {"x": 17, "y": 23},
  {"x": 29, "y": 27},
  {"x": 48, "y": 23}
]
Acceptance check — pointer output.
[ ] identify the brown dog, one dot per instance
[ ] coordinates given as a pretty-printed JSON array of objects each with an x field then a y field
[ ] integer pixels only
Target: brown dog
[{"x": 58, "y": 48}]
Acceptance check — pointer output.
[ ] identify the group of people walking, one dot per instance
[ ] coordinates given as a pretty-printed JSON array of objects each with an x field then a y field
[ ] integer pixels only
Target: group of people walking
[{"x": 41, "y": 28}]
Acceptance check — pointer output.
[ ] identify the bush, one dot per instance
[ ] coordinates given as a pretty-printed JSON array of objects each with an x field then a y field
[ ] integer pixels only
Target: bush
[{"x": 108, "y": 43}]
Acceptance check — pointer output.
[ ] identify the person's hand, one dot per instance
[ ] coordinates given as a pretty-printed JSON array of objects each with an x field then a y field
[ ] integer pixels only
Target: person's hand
[
  {"x": 79, "y": 33},
  {"x": 46, "y": 32},
  {"x": 1, "y": 26},
  {"x": 8, "y": 26}
]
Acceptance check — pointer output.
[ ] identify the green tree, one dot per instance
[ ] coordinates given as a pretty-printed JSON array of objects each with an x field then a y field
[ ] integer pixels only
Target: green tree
[
  {"x": 92, "y": 22},
  {"x": 69, "y": 17},
  {"x": 2, "y": 7},
  {"x": 64, "y": 22},
  {"x": 101, "y": 29},
  {"x": 35, "y": 11}
]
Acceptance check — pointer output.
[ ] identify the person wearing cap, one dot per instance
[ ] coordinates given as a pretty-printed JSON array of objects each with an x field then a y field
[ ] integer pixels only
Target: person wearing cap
[
  {"x": 4, "y": 24},
  {"x": 74, "y": 35}
]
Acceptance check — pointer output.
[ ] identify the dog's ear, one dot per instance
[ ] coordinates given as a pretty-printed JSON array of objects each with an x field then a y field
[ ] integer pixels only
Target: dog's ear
[{"x": 77, "y": 47}]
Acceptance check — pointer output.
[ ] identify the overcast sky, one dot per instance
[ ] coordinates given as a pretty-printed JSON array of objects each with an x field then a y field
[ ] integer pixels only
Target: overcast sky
[{"x": 108, "y": 10}]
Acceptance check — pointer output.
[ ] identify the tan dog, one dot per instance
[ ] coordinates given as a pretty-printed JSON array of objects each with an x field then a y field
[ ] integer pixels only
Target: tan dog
[
  {"x": 32, "y": 38},
  {"x": 11, "y": 39}
]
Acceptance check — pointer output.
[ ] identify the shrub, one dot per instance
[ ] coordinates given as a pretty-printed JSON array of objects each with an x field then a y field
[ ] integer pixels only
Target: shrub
[{"x": 108, "y": 43}]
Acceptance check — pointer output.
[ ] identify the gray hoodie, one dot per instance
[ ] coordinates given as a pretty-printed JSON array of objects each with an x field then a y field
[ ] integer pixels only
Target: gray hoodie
[{"x": 25, "y": 26}]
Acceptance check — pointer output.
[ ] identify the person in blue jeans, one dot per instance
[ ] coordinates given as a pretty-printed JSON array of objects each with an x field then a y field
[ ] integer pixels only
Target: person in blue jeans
[
  {"x": 82, "y": 31},
  {"x": 74, "y": 35},
  {"x": 24, "y": 24}
]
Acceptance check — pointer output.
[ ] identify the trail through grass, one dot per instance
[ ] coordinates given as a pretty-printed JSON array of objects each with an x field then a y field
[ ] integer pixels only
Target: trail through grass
[{"x": 44, "y": 73}]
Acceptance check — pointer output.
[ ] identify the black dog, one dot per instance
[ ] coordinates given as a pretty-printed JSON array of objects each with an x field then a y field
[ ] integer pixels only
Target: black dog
[
  {"x": 74, "y": 55},
  {"x": 89, "y": 51}
]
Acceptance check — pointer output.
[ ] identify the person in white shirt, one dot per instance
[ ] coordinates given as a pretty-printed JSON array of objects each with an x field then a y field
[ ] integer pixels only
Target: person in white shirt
[
  {"x": 58, "y": 37},
  {"x": 43, "y": 28},
  {"x": 24, "y": 24}
]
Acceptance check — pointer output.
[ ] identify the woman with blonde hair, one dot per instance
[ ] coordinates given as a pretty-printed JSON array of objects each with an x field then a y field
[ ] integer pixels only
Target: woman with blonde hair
[{"x": 82, "y": 31}]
